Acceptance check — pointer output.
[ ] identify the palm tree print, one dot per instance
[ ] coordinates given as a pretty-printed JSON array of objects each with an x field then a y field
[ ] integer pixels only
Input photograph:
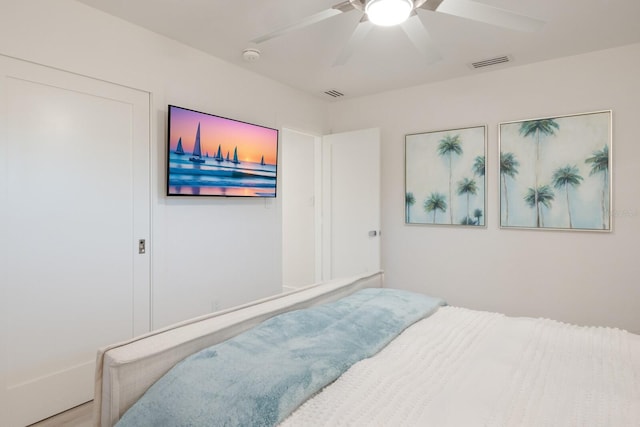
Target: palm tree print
[
  {"x": 409, "y": 200},
  {"x": 600, "y": 164},
  {"x": 466, "y": 221},
  {"x": 535, "y": 128},
  {"x": 434, "y": 164},
  {"x": 467, "y": 187},
  {"x": 508, "y": 167},
  {"x": 566, "y": 177},
  {"x": 436, "y": 202},
  {"x": 478, "y": 166},
  {"x": 477, "y": 214},
  {"x": 543, "y": 196},
  {"x": 450, "y": 145},
  {"x": 566, "y": 155}
]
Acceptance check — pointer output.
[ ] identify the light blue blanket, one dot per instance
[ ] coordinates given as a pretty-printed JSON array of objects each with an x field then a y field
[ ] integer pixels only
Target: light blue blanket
[{"x": 260, "y": 376}]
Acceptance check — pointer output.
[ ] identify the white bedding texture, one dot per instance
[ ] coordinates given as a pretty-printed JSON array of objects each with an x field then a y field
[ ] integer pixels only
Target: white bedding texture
[{"x": 461, "y": 367}]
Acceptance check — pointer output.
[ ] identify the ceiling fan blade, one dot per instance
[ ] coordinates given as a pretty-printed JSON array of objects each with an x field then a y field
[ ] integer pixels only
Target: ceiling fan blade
[
  {"x": 339, "y": 8},
  {"x": 420, "y": 38},
  {"x": 356, "y": 39},
  {"x": 484, "y": 13}
]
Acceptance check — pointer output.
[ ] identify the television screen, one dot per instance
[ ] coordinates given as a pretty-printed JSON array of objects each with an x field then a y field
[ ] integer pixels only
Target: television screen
[{"x": 215, "y": 156}]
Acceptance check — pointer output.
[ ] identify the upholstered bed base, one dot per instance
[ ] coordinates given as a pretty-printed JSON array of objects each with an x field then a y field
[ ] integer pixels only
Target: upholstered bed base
[{"x": 126, "y": 370}]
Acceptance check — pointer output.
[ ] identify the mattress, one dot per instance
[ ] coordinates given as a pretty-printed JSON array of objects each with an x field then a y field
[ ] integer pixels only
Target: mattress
[
  {"x": 462, "y": 367},
  {"x": 457, "y": 367}
]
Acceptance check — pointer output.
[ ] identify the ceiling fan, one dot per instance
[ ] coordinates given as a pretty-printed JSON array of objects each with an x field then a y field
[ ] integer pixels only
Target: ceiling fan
[{"x": 412, "y": 26}]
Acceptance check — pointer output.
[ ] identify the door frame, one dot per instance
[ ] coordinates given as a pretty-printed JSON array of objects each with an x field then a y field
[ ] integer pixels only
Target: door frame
[
  {"x": 141, "y": 185},
  {"x": 318, "y": 201},
  {"x": 323, "y": 217}
]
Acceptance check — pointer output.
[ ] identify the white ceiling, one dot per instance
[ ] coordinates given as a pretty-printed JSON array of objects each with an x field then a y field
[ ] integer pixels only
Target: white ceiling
[{"x": 385, "y": 59}]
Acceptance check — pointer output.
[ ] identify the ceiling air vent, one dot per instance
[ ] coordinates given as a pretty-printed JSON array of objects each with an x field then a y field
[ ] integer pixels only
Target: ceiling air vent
[
  {"x": 334, "y": 93},
  {"x": 493, "y": 61}
]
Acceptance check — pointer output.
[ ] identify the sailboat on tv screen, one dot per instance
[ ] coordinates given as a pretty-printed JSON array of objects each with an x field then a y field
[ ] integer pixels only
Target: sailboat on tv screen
[{"x": 197, "y": 151}]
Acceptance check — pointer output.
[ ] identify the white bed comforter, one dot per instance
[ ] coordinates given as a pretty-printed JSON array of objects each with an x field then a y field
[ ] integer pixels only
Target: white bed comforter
[{"x": 470, "y": 368}]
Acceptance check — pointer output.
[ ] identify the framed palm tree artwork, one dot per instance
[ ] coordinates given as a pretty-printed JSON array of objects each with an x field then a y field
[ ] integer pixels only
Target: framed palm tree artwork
[
  {"x": 555, "y": 172},
  {"x": 445, "y": 182}
]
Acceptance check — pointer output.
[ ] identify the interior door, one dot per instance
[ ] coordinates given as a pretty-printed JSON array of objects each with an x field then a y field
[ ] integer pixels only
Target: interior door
[
  {"x": 351, "y": 203},
  {"x": 74, "y": 203},
  {"x": 300, "y": 154}
]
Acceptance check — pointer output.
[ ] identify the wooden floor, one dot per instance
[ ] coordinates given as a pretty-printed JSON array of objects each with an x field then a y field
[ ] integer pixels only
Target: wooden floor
[{"x": 80, "y": 416}]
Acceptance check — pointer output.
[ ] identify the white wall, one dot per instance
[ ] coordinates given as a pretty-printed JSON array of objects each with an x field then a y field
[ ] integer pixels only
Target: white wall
[
  {"x": 582, "y": 277},
  {"x": 206, "y": 253}
]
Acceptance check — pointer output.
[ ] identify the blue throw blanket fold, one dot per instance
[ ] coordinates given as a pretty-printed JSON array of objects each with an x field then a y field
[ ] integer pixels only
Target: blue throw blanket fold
[{"x": 259, "y": 377}]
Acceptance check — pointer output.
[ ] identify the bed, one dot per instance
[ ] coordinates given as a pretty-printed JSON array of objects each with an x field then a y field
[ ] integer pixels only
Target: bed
[{"x": 351, "y": 352}]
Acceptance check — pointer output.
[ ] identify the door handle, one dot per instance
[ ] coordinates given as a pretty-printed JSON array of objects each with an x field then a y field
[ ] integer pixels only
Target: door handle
[{"x": 373, "y": 233}]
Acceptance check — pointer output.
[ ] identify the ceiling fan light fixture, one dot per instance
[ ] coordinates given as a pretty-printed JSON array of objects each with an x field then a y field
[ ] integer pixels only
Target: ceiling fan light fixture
[{"x": 388, "y": 12}]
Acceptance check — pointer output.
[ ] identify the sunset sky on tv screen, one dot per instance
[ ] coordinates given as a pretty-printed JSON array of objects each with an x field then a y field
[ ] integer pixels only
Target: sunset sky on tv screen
[{"x": 252, "y": 141}]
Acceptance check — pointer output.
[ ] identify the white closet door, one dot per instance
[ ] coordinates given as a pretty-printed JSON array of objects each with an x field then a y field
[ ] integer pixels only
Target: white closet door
[
  {"x": 351, "y": 203},
  {"x": 74, "y": 201},
  {"x": 300, "y": 214}
]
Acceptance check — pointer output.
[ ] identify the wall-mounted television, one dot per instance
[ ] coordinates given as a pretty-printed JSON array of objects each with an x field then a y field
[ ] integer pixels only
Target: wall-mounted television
[{"x": 209, "y": 155}]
